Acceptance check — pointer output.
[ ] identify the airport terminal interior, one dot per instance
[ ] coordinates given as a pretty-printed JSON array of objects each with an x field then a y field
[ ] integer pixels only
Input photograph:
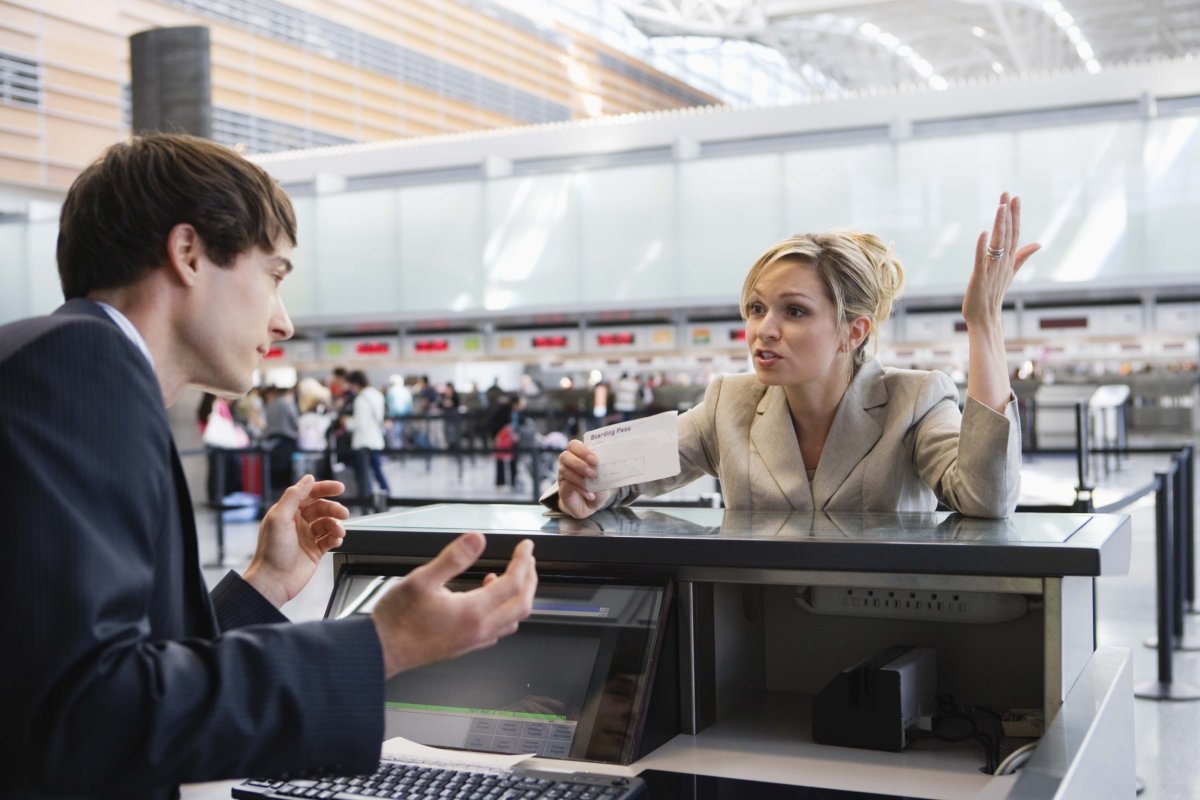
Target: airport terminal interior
[{"x": 522, "y": 220}]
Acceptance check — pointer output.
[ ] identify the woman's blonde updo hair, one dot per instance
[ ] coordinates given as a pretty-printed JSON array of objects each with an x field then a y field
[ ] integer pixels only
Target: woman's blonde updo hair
[{"x": 861, "y": 276}]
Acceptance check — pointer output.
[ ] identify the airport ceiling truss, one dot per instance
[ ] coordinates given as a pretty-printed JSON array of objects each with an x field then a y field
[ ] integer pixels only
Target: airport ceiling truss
[{"x": 861, "y": 45}]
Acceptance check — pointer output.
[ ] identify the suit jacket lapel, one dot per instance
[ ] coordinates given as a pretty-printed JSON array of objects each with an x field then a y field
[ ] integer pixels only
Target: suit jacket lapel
[
  {"x": 774, "y": 439},
  {"x": 855, "y": 431}
]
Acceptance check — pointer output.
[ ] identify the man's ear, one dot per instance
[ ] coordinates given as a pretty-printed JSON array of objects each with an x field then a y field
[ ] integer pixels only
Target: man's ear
[
  {"x": 184, "y": 249},
  {"x": 856, "y": 333}
]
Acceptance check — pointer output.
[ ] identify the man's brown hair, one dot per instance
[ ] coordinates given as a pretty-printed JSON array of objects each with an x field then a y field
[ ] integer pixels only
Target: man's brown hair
[{"x": 117, "y": 215}]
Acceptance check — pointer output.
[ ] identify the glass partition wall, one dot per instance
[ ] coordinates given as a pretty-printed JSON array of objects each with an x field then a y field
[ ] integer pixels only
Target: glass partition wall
[{"x": 1112, "y": 202}]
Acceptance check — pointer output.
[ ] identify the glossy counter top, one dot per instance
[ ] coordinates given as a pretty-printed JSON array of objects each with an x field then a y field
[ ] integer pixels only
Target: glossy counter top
[{"x": 1023, "y": 545}]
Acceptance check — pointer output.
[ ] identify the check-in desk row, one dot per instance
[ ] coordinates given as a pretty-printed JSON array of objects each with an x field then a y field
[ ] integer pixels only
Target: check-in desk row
[{"x": 765, "y": 608}]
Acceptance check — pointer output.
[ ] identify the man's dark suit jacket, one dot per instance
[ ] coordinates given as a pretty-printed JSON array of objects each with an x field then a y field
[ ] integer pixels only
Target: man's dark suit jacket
[{"x": 118, "y": 675}]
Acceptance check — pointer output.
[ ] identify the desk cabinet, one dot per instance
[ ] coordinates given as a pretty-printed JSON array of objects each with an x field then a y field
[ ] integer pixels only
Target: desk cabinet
[{"x": 752, "y": 652}]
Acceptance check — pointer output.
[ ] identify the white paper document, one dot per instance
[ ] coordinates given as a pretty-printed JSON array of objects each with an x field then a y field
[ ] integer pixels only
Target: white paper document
[
  {"x": 636, "y": 451},
  {"x": 407, "y": 750}
]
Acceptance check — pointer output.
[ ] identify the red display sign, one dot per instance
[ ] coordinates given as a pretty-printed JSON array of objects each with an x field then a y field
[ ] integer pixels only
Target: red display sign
[
  {"x": 431, "y": 345},
  {"x": 549, "y": 342},
  {"x": 372, "y": 348},
  {"x": 274, "y": 352},
  {"x": 1063, "y": 322},
  {"x": 737, "y": 335},
  {"x": 614, "y": 339}
]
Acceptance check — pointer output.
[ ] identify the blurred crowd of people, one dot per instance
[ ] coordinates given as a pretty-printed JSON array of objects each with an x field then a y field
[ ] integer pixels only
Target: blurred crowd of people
[{"x": 345, "y": 426}]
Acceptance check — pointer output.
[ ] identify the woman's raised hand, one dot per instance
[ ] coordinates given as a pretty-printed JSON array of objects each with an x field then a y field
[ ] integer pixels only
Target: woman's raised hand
[{"x": 998, "y": 257}]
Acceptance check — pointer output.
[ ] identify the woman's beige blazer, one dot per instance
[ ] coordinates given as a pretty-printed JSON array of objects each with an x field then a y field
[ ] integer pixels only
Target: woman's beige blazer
[{"x": 898, "y": 443}]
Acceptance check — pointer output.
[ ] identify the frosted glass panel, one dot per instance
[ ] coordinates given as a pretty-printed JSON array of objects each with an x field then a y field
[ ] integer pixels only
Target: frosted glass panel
[
  {"x": 1113, "y": 203},
  {"x": 358, "y": 250},
  {"x": 627, "y": 233},
  {"x": 531, "y": 246},
  {"x": 14, "y": 266},
  {"x": 842, "y": 187},
  {"x": 1172, "y": 207},
  {"x": 945, "y": 193},
  {"x": 731, "y": 209},
  {"x": 45, "y": 290},
  {"x": 441, "y": 247},
  {"x": 299, "y": 290},
  {"x": 1079, "y": 184}
]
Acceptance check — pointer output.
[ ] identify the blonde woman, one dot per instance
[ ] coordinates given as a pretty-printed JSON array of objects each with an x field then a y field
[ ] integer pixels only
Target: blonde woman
[{"x": 821, "y": 423}]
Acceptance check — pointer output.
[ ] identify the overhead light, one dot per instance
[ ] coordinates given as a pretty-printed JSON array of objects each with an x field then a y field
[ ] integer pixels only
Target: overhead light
[
  {"x": 978, "y": 31},
  {"x": 1063, "y": 19},
  {"x": 876, "y": 35},
  {"x": 997, "y": 67}
]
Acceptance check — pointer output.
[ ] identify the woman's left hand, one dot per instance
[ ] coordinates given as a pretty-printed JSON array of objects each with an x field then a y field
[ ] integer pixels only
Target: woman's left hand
[{"x": 998, "y": 257}]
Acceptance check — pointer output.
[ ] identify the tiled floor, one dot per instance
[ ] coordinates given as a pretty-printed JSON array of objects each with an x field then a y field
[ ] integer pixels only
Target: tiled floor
[{"x": 1167, "y": 733}]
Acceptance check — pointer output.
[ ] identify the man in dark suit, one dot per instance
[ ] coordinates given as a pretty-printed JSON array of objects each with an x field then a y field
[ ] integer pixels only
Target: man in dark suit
[{"x": 119, "y": 675}]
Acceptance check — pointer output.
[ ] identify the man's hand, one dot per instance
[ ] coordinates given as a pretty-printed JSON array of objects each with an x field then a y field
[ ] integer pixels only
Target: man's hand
[
  {"x": 298, "y": 530},
  {"x": 420, "y": 621}
]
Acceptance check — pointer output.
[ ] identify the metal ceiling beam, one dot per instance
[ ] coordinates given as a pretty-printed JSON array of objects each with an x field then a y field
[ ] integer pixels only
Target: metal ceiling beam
[
  {"x": 789, "y": 8},
  {"x": 737, "y": 19},
  {"x": 1015, "y": 51},
  {"x": 1022, "y": 37}
]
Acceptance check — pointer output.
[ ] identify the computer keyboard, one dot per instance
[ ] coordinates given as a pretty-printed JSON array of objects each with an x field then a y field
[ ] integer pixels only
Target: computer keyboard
[{"x": 405, "y": 780}]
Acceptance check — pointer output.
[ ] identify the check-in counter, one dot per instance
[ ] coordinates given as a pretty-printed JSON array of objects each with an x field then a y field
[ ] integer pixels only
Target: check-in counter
[{"x": 768, "y": 607}]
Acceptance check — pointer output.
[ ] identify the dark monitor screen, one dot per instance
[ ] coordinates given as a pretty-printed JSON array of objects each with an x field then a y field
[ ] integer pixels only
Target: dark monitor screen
[{"x": 572, "y": 682}]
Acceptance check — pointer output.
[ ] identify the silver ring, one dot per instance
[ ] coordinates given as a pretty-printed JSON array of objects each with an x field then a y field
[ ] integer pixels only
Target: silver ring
[{"x": 995, "y": 253}]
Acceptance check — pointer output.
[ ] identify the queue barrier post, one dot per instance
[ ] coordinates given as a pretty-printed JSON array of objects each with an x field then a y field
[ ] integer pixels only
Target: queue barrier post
[
  {"x": 218, "y": 464},
  {"x": 1183, "y": 555},
  {"x": 1084, "y": 490},
  {"x": 1165, "y": 687},
  {"x": 217, "y": 461},
  {"x": 1189, "y": 506}
]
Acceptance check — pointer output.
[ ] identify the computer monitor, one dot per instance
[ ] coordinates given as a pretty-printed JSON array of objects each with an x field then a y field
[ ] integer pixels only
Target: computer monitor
[{"x": 573, "y": 682}]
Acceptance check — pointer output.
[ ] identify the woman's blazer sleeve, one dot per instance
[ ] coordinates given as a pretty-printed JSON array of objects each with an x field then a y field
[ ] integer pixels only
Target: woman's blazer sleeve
[{"x": 972, "y": 459}]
